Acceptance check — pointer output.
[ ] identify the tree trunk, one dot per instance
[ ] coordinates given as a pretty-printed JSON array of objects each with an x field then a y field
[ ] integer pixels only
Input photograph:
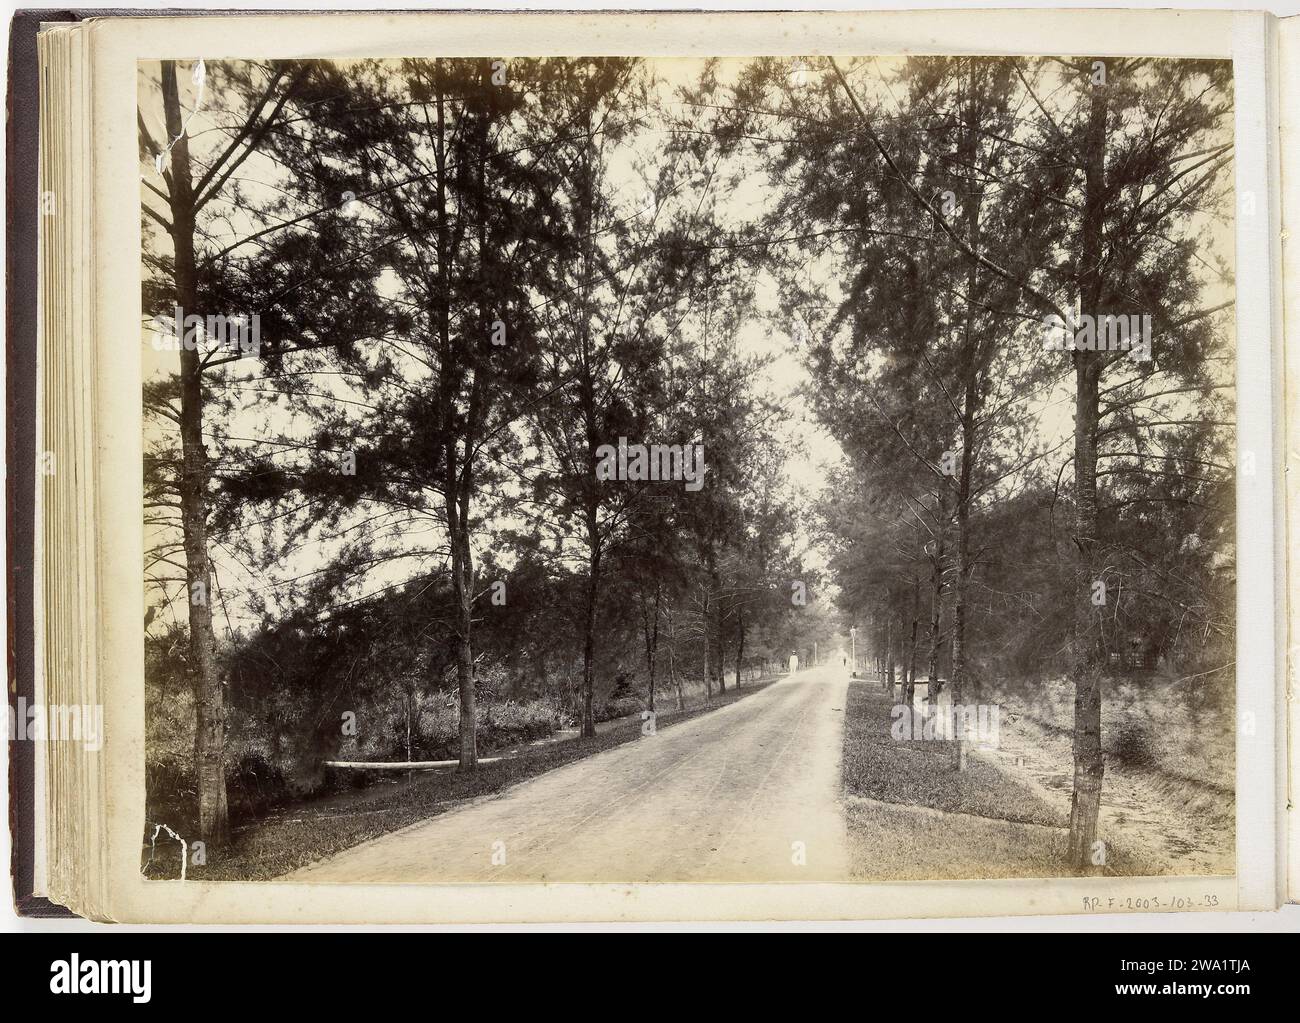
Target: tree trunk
[
  {"x": 740, "y": 642},
  {"x": 891, "y": 669},
  {"x": 589, "y": 631},
  {"x": 936, "y": 606},
  {"x": 462, "y": 571},
  {"x": 652, "y": 646},
  {"x": 705, "y": 618},
  {"x": 591, "y": 427},
  {"x": 715, "y": 633},
  {"x": 454, "y": 484},
  {"x": 887, "y": 674},
  {"x": 673, "y": 676},
  {"x": 970, "y": 368},
  {"x": 1089, "y": 765},
  {"x": 959, "y": 619},
  {"x": 909, "y": 674},
  {"x": 209, "y": 731}
]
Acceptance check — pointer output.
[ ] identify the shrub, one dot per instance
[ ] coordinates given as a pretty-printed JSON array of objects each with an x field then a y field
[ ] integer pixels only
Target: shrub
[
  {"x": 617, "y": 708},
  {"x": 265, "y": 770},
  {"x": 254, "y": 785},
  {"x": 1132, "y": 744}
]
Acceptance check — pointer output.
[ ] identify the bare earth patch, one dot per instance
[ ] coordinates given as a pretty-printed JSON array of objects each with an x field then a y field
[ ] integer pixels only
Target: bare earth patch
[{"x": 1167, "y": 807}]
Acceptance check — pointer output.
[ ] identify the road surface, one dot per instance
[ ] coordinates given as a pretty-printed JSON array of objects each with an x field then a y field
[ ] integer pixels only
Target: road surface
[{"x": 748, "y": 792}]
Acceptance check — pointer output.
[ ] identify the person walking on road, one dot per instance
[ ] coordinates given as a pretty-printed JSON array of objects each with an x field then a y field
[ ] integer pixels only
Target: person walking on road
[{"x": 794, "y": 662}]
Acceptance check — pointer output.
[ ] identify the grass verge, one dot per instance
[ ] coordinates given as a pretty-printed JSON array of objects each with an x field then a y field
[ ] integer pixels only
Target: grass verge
[{"x": 977, "y": 823}]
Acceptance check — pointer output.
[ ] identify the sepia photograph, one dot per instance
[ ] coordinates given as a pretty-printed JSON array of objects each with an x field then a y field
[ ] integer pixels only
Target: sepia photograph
[{"x": 623, "y": 469}]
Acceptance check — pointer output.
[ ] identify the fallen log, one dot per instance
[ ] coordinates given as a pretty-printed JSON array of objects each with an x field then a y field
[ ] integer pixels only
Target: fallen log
[{"x": 403, "y": 765}]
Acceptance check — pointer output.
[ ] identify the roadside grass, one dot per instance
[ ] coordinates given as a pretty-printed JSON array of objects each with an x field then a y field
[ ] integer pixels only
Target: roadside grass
[
  {"x": 312, "y": 831},
  {"x": 972, "y": 824},
  {"x": 923, "y": 773},
  {"x": 936, "y": 848}
]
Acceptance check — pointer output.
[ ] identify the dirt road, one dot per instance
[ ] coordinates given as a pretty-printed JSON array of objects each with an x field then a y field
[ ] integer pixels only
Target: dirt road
[{"x": 747, "y": 792}]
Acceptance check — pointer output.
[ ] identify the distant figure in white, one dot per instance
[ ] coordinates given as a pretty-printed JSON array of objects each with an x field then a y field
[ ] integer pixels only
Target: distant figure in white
[{"x": 794, "y": 663}]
